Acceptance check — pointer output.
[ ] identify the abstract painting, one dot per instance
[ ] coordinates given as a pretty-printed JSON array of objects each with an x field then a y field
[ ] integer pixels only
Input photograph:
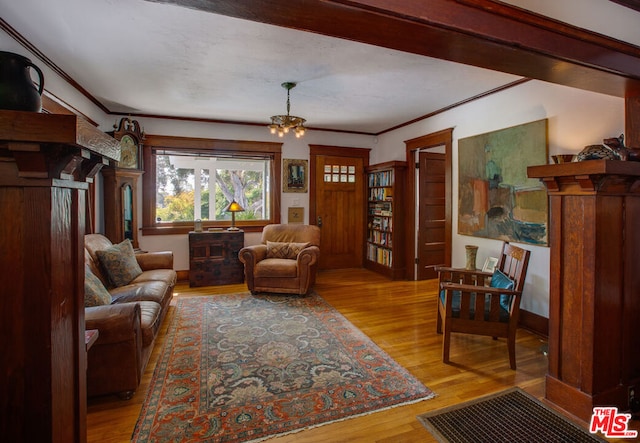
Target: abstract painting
[{"x": 496, "y": 199}]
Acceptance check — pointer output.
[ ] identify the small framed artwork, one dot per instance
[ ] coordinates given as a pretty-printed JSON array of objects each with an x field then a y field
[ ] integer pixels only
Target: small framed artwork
[
  {"x": 296, "y": 215},
  {"x": 294, "y": 177},
  {"x": 490, "y": 264}
]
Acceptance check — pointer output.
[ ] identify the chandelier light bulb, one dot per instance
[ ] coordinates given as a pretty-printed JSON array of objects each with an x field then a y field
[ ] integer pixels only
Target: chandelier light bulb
[{"x": 281, "y": 124}]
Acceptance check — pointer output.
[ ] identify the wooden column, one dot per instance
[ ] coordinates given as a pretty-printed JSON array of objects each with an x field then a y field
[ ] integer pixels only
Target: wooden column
[
  {"x": 594, "y": 305},
  {"x": 45, "y": 163}
]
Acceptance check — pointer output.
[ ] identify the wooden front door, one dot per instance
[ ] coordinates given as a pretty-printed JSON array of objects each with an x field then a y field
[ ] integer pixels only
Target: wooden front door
[
  {"x": 431, "y": 214},
  {"x": 337, "y": 204}
]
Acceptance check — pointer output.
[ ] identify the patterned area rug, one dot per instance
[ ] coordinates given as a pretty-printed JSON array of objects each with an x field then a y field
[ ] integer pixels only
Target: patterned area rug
[
  {"x": 244, "y": 368},
  {"x": 510, "y": 416}
]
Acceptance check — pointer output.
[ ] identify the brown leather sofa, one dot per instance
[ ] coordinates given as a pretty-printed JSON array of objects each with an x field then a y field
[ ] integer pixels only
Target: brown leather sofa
[
  {"x": 129, "y": 325},
  {"x": 285, "y": 261}
]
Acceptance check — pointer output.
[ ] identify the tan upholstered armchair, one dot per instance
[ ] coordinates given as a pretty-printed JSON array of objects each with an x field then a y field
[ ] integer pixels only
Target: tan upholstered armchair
[{"x": 285, "y": 261}]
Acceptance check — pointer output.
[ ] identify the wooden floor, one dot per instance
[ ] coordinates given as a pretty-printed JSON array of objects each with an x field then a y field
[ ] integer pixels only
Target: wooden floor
[{"x": 400, "y": 318}]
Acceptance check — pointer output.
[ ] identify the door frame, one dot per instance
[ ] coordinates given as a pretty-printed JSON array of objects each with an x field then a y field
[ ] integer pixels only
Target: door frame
[
  {"x": 335, "y": 151},
  {"x": 440, "y": 138}
]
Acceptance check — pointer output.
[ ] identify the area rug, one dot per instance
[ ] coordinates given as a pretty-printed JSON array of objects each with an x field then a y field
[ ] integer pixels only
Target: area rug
[
  {"x": 510, "y": 416},
  {"x": 239, "y": 367}
]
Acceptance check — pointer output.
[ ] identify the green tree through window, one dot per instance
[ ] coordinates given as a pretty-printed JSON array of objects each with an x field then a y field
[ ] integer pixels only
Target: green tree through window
[{"x": 184, "y": 187}]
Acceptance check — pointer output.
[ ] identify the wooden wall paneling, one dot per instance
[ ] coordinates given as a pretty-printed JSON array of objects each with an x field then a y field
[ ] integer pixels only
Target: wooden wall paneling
[
  {"x": 632, "y": 121},
  {"x": 42, "y": 194},
  {"x": 594, "y": 283},
  {"x": 631, "y": 301}
]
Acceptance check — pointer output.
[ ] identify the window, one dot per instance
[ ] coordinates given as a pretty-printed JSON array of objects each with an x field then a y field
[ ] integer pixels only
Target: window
[{"x": 189, "y": 179}]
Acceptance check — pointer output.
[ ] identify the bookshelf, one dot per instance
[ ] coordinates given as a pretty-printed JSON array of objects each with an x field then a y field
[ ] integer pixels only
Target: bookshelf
[{"x": 385, "y": 222}]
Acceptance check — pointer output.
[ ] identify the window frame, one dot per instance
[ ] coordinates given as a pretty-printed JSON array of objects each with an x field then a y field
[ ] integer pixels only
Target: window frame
[{"x": 211, "y": 147}]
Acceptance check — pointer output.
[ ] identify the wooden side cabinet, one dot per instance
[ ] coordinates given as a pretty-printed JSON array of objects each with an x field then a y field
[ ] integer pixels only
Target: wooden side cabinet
[
  {"x": 120, "y": 204},
  {"x": 594, "y": 302},
  {"x": 213, "y": 258}
]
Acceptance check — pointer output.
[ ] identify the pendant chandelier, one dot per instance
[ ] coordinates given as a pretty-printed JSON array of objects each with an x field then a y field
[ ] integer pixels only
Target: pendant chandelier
[{"x": 280, "y": 124}]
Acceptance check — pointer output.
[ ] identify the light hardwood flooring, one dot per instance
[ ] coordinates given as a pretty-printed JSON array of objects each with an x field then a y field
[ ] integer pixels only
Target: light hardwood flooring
[{"x": 400, "y": 317}]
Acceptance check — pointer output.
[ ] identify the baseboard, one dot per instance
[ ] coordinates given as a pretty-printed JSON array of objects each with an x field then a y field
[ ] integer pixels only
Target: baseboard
[
  {"x": 182, "y": 275},
  {"x": 534, "y": 323}
]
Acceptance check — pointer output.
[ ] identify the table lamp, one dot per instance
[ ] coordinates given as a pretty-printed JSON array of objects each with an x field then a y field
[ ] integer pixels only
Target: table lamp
[{"x": 233, "y": 208}]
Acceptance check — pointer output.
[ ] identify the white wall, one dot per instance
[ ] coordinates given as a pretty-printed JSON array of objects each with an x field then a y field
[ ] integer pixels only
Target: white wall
[
  {"x": 576, "y": 119},
  {"x": 292, "y": 148},
  {"x": 56, "y": 86}
]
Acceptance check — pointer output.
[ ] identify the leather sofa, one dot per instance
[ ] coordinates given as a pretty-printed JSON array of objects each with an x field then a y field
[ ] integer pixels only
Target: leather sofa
[
  {"x": 285, "y": 261},
  {"x": 129, "y": 325}
]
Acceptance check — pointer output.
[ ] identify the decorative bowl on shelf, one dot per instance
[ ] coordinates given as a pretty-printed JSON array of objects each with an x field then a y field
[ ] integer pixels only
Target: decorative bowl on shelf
[{"x": 563, "y": 158}]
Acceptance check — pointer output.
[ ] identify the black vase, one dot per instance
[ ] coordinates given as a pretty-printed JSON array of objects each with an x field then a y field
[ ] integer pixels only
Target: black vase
[{"x": 17, "y": 91}]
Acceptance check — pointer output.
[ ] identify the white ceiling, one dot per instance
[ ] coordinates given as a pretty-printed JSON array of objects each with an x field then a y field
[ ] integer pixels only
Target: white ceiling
[{"x": 140, "y": 57}]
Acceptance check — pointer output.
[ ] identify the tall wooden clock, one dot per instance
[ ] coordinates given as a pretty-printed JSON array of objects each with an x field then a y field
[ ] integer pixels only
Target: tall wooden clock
[{"x": 120, "y": 184}]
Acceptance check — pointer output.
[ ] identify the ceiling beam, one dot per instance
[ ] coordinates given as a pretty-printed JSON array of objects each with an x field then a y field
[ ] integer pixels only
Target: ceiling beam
[
  {"x": 480, "y": 33},
  {"x": 633, "y": 4}
]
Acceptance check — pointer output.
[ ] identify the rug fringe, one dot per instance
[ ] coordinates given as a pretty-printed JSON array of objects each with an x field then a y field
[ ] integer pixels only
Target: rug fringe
[{"x": 363, "y": 414}]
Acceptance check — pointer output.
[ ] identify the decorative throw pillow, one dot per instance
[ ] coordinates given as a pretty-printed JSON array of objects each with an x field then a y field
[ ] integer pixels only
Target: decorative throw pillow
[
  {"x": 95, "y": 294},
  {"x": 119, "y": 263},
  {"x": 284, "y": 250},
  {"x": 500, "y": 280}
]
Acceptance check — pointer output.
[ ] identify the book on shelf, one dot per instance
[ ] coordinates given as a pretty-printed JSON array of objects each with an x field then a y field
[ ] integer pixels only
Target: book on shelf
[
  {"x": 382, "y": 178},
  {"x": 380, "y": 194}
]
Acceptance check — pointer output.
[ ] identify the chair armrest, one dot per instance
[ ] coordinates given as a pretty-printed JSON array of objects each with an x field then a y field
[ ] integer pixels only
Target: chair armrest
[
  {"x": 155, "y": 260},
  {"x": 308, "y": 256},
  {"x": 250, "y": 255},
  {"x": 462, "y": 276},
  {"x": 116, "y": 323},
  {"x": 463, "y": 271},
  {"x": 448, "y": 286}
]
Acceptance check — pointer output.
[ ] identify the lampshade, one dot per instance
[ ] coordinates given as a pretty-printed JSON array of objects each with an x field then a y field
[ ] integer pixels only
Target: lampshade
[{"x": 233, "y": 208}]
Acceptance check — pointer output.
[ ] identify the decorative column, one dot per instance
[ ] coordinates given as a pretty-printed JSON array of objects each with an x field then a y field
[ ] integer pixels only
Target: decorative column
[
  {"x": 594, "y": 305},
  {"x": 46, "y": 161}
]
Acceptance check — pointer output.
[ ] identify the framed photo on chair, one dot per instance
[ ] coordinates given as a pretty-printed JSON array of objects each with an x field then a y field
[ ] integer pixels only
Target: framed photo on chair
[{"x": 490, "y": 264}]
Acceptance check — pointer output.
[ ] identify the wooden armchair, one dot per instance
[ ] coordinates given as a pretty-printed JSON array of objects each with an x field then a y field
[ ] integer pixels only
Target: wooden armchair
[{"x": 483, "y": 303}]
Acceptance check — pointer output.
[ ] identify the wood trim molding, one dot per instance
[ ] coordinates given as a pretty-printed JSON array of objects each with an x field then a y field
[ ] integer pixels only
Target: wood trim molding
[
  {"x": 152, "y": 142},
  {"x": 530, "y": 18},
  {"x": 194, "y": 143},
  {"x": 50, "y": 64},
  {"x": 460, "y": 103},
  {"x": 534, "y": 322}
]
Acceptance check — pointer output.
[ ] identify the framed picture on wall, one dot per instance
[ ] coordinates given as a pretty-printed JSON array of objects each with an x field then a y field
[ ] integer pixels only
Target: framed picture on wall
[
  {"x": 496, "y": 197},
  {"x": 295, "y": 215},
  {"x": 294, "y": 177}
]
